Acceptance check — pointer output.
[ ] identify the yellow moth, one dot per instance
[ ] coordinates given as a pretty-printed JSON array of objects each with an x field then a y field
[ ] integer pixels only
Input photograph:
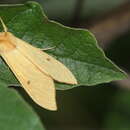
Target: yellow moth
[{"x": 35, "y": 69}]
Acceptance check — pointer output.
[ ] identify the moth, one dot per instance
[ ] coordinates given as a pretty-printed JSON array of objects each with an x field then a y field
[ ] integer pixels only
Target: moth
[{"x": 35, "y": 70}]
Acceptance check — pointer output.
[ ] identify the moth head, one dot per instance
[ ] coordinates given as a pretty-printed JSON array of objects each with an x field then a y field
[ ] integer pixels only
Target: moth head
[
  {"x": 6, "y": 37},
  {"x": 6, "y": 43}
]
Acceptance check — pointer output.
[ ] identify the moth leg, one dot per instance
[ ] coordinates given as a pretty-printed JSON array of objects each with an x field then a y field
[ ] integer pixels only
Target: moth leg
[
  {"x": 14, "y": 85},
  {"x": 49, "y": 48}
]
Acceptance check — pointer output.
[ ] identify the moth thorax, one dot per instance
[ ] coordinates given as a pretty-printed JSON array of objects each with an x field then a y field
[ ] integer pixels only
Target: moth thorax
[{"x": 5, "y": 43}]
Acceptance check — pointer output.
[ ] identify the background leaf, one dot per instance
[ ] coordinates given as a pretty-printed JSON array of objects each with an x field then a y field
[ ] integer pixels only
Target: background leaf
[
  {"x": 15, "y": 114},
  {"x": 118, "y": 115},
  {"x": 76, "y": 48}
]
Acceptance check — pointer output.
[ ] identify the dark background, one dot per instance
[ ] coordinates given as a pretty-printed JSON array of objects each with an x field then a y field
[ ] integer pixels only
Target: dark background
[{"x": 102, "y": 107}]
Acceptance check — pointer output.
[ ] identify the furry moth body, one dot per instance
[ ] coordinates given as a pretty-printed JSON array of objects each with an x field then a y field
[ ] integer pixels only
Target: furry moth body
[{"x": 35, "y": 69}]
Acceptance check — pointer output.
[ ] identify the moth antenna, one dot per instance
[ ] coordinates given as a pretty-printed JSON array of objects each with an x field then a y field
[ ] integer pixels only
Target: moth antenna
[{"x": 3, "y": 24}]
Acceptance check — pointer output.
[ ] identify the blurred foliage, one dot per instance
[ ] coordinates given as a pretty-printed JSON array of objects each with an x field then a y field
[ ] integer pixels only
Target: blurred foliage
[
  {"x": 15, "y": 114},
  {"x": 80, "y": 108},
  {"x": 64, "y": 10},
  {"x": 119, "y": 51},
  {"x": 118, "y": 116}
]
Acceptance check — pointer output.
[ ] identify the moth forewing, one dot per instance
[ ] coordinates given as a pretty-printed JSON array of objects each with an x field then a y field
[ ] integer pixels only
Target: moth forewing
[
  {"x": 37, "y": 84},
  {"x": 45, "y": 62}
]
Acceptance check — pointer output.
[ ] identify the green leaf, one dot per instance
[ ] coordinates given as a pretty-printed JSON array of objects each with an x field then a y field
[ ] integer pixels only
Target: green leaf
[
  {"x": 76, "y": 48},
  {"x": 15, "y": 114}
]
